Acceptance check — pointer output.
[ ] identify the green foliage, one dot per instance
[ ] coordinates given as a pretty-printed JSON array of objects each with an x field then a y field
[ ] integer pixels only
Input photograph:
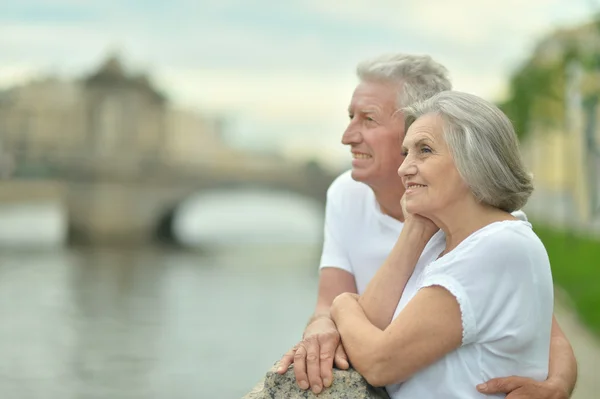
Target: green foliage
[
  {"x": 537, "y": 88},
  {"x": 575, "y": 261},
  {"x": 537, "y": 96}
]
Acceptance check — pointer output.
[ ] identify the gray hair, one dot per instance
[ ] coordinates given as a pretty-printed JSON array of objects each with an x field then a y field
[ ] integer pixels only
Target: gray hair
[
  {"x": 419, "y": 76},
  {"x": 484, "y": 146}
]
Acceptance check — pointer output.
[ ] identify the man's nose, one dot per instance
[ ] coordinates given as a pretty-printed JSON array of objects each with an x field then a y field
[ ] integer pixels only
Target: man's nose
[{"x": 351, "y": 135}]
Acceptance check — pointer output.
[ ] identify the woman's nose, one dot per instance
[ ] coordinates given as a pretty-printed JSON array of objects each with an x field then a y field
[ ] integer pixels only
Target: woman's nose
[{"x": 407, "y": 167}]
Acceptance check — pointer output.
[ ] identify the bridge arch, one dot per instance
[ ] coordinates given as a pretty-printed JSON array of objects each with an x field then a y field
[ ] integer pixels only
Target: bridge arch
[{"x": 185, "y": 220}]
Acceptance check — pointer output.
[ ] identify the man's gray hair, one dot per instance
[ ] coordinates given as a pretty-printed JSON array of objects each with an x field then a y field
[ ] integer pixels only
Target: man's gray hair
[
  {"x": 484, "y": 146},
  {"x": 419, "y": 76}
]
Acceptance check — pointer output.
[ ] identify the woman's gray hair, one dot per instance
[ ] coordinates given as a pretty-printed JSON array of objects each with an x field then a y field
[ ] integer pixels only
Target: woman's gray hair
[
  {"x": 484, "y": 146},
  {"x": 419, "y": 76}
]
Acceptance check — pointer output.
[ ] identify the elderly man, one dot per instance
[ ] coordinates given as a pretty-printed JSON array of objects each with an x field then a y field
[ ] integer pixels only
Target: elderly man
[{"x": 364, "y": 219}]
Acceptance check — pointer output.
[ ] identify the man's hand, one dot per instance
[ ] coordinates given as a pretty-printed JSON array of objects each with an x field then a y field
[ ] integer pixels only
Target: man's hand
[
  {"x": 313, "y": 357},
  {"x": 523, "y": 388}
]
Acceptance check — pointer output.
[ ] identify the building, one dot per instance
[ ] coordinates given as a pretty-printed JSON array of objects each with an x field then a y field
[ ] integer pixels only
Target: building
[
  {"x": 109, "y": 122},
  {"x": 124, "y": 115},
  {"x": 559, "y": 108}
]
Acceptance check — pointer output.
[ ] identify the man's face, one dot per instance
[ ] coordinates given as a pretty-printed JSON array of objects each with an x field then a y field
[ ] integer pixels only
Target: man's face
[{"x": 375, "y": 134}]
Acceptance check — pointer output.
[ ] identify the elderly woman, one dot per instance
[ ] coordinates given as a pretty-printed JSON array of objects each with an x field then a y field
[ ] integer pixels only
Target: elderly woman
[{"x": 466, "y": 294}]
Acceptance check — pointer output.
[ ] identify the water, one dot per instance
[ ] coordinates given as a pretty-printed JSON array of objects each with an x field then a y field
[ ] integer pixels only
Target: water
[{"x": 150, "y": 323}]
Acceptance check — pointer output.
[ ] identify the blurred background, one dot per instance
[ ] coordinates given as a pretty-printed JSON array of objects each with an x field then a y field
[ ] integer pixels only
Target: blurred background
[{"x": 164, "y": 165}]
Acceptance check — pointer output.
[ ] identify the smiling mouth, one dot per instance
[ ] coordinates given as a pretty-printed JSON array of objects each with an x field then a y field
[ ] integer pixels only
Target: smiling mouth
[
  {"x": 358, "y": 155},
  {"x": 415, "y": 186}
]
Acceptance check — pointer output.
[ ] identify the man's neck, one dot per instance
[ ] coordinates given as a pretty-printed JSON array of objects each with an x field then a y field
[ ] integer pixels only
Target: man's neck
[{"x": 389, "y": 198}]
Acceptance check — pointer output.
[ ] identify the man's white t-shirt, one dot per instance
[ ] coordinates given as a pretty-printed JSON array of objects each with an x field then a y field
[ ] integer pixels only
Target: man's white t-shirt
[
  {"x": 500, "y": 276},
  {"x": 358, "y": 235}
]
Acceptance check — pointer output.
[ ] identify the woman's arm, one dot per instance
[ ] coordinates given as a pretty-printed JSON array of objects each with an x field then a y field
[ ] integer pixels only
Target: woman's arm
[
  {"x": 429, "y": 327},
  {"x": 381, "y": 297}
]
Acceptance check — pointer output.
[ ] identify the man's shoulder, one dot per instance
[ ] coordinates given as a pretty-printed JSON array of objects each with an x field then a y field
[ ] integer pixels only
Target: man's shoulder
[{"x": 344, "y": 186}]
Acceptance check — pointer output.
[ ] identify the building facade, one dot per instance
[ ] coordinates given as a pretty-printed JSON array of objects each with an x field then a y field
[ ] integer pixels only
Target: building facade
[{"x": 110, "y": 122}]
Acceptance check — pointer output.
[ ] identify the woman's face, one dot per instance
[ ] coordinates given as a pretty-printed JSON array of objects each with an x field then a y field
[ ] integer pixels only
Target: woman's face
[{"x": 432, "y": 182}]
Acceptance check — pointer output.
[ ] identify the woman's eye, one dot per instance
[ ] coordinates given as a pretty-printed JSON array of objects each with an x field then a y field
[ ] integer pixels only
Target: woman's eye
[{"x": 425, "y": 149}]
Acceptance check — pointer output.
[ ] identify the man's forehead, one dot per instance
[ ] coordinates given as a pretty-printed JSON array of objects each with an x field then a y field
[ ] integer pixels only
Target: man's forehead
[
  {"x": 375, "y": 95},
  {"x": 365, "y": 108}
]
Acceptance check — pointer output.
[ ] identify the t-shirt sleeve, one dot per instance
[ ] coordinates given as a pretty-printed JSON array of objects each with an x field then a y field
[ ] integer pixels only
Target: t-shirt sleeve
[
  {"x": 497, "y": 283},
  {"x": 334, "y": 253},
  {"x": 443, "y": 275}
]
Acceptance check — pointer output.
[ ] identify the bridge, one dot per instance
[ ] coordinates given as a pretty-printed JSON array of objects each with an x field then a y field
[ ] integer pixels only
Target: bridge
[{"x": 136, "y": 208}]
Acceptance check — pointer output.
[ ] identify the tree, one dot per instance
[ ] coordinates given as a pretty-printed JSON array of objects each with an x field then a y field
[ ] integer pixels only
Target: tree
[{"x": 537, "y": 88}]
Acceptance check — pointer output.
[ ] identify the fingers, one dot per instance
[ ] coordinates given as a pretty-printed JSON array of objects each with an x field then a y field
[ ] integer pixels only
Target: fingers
[
  {"x": 313, "y": 364},
  {"x": 403, "y": 205},
  {"x": 307, "y": 367},
  {"x": 300, "y": 367},
  {"x": 286, "y": 361},
  {"x": 328, "y": 344},
  {"x": 341, "y": 359},
  {"x": 501, "y": 385}
]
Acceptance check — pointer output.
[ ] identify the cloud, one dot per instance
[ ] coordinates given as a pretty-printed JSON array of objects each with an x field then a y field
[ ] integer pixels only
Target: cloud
[
  {"x": 480, "y": 42},
  {"x": 285, "y": 70},
  {"x": 17, "y": 74},
  {"x": 270, "y": 109}
]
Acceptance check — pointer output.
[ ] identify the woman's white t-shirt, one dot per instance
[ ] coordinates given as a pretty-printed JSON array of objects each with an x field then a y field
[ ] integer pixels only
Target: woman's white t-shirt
[{"x": 500, "y": 276}]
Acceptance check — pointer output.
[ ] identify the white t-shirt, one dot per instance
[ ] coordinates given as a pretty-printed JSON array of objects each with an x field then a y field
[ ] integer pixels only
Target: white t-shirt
[
  {"x": 358, "y": 236},
  {"x": 501, "y": 278},
  {"x": 358, "y": 239}
]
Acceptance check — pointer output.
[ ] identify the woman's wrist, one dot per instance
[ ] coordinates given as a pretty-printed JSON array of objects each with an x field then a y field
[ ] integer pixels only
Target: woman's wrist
[{"x": 417, "y": 233}]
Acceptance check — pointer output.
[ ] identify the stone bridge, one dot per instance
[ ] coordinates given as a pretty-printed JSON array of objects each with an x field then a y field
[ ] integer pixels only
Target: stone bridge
[{"x": 137, "y": 210}]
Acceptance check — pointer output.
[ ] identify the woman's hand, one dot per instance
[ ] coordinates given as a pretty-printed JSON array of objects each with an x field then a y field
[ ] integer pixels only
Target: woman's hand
[{"x": 417, "y": 223}]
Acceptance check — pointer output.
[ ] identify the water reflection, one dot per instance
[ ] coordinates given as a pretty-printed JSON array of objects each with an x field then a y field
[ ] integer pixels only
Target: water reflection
[{"x": 149, "y": 323}]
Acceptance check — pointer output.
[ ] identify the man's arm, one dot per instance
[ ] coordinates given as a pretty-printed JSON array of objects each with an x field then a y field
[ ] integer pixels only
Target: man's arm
[
  {"x": 332, "y": 282},
  {"x": 563, "y": 365},
  {"x": 313, "y": 357},
  {"x": 562, "y": 374}
]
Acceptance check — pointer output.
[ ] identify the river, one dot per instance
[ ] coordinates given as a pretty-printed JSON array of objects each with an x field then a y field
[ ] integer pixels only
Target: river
[{"x": 154, "y": 322}]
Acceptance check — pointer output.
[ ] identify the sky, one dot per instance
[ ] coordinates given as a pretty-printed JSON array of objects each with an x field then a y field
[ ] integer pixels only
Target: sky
[{"x": 280, "y": 73}]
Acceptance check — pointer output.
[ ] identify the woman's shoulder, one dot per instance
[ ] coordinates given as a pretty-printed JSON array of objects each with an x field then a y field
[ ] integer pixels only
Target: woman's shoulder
[
  {"x": 503, "y": 234},
  {"x": 501, "y": 241}
]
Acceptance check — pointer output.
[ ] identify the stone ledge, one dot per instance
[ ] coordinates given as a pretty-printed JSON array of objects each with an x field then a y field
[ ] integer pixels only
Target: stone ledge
[{"x": 347, "y": 384}]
